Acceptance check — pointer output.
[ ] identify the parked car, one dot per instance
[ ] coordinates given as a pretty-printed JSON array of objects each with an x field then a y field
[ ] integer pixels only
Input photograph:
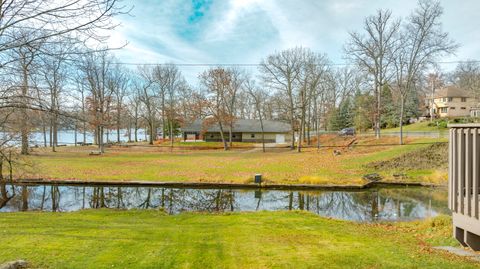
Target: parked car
[{"x": 347, "y": 132}]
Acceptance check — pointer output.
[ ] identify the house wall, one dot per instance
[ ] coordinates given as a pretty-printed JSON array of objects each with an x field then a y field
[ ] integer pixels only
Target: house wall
[
  {"x": 455, "y": 107},
  {"x": 269, "y": 137},
  {"x": 246, "y": 137},
  {"x": 216, "y": 137}
]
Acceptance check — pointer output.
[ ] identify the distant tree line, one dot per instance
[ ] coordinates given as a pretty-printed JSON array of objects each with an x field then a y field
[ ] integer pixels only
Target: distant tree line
[{"x": 52, "y": 80}]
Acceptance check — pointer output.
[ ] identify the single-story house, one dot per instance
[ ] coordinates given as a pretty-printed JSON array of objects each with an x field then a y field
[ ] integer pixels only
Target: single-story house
[{"x": 243, "y": 131}]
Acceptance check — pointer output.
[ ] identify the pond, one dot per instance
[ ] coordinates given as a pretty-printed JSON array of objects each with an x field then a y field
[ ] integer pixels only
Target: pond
[{"x": 378, "y": 204}]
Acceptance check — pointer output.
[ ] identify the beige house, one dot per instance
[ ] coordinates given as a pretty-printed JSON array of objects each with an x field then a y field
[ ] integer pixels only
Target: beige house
[
  {"x": 451, "y": 102},
  {"x": 243, "y": 131}
]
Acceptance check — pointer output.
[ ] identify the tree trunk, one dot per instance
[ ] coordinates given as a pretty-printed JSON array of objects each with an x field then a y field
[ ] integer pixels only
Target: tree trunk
[
  {"x": 151, "y": 127},
  {"x": 101, "y": 146},
  {"x": 402, "y": 108},
  {"x": 24, "y": 122},
  {"x": 230, "y": 135},
  {"x": 377, "y": 121},
  {"x": 118, "y": 134},
  {"x": 292, "y": 122},
  {"x": 54, "y": 132},
  {"x": 84, "y": 133},
  {"x": 224, "y": 141},
  {"x": 172, "y": 139},
  {"x": 136, "y": 132},
  {"x": 44, "y": 134},
  {"x": 263, "y": 134},
  {"x": 301, "y": 135},
  {"x": 75, "y": 134}
]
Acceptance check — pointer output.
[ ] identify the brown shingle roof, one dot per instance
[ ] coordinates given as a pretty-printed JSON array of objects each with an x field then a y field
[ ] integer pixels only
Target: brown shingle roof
[{"x": 451, "y": 91}]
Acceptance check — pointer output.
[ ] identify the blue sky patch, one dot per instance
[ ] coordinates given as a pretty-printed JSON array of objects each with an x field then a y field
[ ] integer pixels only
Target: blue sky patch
[{"x": 199, "y": 8}]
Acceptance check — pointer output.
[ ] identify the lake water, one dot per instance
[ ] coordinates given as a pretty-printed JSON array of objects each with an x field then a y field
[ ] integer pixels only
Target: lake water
[
  {"x": 380, "y": 204},
  {"x": 67, "y": 137}
]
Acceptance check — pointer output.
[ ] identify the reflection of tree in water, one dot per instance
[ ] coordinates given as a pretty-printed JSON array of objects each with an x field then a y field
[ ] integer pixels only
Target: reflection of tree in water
[
  {"x": 371, "y": 205},
  {"x": 4, "y": 196}
]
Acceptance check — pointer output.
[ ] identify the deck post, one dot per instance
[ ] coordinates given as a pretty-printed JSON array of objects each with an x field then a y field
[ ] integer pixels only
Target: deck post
[{"x": 464, "y": 183}]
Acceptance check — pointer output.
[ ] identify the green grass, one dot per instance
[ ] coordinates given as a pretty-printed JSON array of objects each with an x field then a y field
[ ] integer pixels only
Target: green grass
[
  {"x": 417, "y": 127},
  {"x": 310, "y": 167},
  {"x": 203, "y": 144},
  {"x": 150, "y": 239}
]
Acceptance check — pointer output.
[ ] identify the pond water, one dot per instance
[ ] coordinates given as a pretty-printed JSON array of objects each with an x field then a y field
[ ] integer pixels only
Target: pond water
[{"x": 380, "y": 204}]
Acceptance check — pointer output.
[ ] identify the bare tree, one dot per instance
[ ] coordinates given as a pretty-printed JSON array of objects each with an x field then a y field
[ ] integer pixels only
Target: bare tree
[
  {"x": 373, "y": 51},
  {"x": 259, "y": 97},
  {"x": 170, "y": 81},
  {"x": 147, "y": 96},
  {"x": 133, "y": 108},
  {"x": 54, "y": 71},
  {"x": 423, "y": 41},
  {"x": 280, "y": 71},
  {"x": 217, "y": 83},
  {"x": 96, "y": 70},
  {"x": 119, "y": 83},
  {"x": 81, "y": 18},
  {"x": 313, "y": 72},
  {"x": 467, "y": 76},
  {"x": 230, "y": 98}
]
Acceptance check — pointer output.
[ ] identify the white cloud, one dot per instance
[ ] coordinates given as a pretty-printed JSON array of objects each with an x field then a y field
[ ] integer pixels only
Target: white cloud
[{"x": 245, "y": 31}]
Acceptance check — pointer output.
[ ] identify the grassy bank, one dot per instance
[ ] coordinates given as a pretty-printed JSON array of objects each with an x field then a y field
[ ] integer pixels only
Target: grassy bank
[
  {"x": 238, "y": 166},
  {"x": 150, "y": 239}
]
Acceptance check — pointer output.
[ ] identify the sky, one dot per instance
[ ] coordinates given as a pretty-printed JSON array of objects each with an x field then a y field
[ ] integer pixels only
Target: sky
[{"x": 246, "y": 31}]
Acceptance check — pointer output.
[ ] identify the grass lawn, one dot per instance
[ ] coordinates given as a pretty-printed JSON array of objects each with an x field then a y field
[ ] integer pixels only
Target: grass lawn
[
  {"x": 151, "y": 239},
  {"x": 239, "y": 166},
  {"x": 418, "y": 127},
  {"x": 203, "y": 144}
]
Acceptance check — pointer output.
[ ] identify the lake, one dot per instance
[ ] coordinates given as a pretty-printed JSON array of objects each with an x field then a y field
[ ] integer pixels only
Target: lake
[
  {"x": 378, "y": 204},
  {"x": 67, "y": 137}
]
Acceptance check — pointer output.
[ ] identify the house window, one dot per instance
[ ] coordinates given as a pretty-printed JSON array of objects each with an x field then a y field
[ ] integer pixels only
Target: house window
[
  {"x": 464, "y": 99},
  {"x": 443, "y": 110},
  {"x": 450, "y": 99},
  {"x": 211, "y": 136},
  {"x": 252, "y": 136},
  {"x": 452, "y": 107},
  {"x": 233, "y": 136},
  {"x": 463, "y": 108}
]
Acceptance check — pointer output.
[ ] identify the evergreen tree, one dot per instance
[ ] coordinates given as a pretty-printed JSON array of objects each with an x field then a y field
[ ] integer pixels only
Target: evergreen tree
[
  {"x": 342, "y": 117},
  {"x": 363, "y": 111},
  {"x": 389, "y": 117}
]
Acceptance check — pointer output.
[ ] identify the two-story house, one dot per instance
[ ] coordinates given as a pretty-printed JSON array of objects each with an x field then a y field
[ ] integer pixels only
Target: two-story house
[{"x": 451, "y": 102}]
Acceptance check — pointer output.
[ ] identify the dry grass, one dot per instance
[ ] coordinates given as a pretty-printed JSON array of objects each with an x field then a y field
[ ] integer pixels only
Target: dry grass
[{"x": 277, "y": 166}]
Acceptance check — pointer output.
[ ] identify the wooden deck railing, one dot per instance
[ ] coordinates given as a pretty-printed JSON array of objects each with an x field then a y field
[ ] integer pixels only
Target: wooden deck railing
[{"x": 464, "y": 183}]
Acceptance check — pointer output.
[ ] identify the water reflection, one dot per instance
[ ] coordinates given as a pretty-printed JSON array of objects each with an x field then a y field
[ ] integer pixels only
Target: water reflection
[{"x": 388, "y": 204}]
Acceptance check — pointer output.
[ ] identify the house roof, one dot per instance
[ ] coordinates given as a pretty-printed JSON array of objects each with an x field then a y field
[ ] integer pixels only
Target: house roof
[
  {"x": 451, "y": 91},
  {"x": 241, "y": 126}
]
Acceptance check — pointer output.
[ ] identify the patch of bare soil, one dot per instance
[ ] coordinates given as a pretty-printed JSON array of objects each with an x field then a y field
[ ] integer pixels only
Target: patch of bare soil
[{"x": 433, "y": 156}]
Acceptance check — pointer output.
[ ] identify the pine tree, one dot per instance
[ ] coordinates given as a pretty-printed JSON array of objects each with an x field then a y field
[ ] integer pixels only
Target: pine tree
[
  {"x": 342, "y": 117},
  {"x": 363, "y": 111},
  {"x": 389, "y": 117}
]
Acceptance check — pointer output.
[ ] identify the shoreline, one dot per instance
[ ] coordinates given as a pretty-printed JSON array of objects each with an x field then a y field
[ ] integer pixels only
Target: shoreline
[{"x": 217, "y": 185}]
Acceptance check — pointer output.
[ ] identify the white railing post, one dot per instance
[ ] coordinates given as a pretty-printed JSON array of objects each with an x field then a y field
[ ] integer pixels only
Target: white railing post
[{"x": 464, "y": 182}]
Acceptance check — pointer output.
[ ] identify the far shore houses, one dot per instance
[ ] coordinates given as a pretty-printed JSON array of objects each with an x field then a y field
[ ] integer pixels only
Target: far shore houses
[{"x": 243, "y": 130}]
